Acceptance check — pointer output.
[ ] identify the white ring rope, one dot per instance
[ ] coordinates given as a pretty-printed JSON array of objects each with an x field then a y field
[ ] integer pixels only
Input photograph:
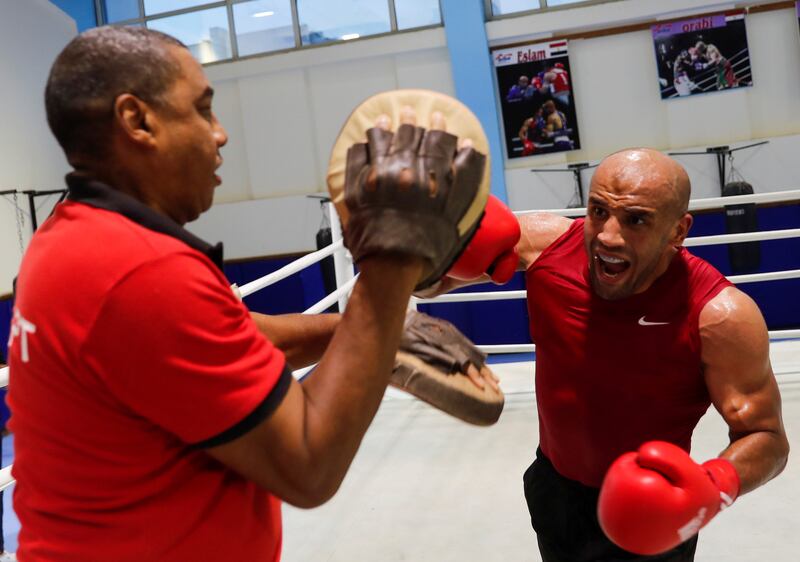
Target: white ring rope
[
  {"x": 742, "y": 237},
  {"x": 4, "y": 377},
  {"x": 470, "y": 297},
  {"x": 332, "y": 298},
  {"x": 775, "y": 335},
  {"x": 510, "y": 295},
  {"x": 508, "y": 348},
  {"x": 769, "y": 276},
  {"x": 695, "y": 204},
  {"x": 290, "y": 269},
  {"x": 721, "y": 202},
  {"x": 6, "y": 479}
]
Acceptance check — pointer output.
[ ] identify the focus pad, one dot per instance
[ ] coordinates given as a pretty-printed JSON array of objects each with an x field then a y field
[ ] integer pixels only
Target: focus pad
[
  {"x": 459, "y": 121},
  {"x": 452, "y": 393}
]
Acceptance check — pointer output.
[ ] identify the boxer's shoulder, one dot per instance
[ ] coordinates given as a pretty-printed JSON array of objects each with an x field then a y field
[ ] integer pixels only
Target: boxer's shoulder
[
  {"x": 731, "y": 311},
  {"x": 539, "y": 230}
]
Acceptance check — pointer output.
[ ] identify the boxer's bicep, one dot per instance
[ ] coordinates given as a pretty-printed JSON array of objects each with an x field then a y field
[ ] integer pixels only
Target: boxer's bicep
[
  {"x": 736, "y": 366},
  {"x": 742, "y": 386}
]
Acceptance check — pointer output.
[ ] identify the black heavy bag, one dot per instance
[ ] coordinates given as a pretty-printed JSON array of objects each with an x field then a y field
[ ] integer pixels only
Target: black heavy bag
[
  {"x": 325, "y": 238},
  {"x": 745, "y": 256}
]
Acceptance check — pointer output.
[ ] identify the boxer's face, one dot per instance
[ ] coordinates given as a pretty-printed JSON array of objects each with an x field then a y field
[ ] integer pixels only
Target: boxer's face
[
  {"x": 189, "y": 143},
  {"x": 633, "y": 224}
]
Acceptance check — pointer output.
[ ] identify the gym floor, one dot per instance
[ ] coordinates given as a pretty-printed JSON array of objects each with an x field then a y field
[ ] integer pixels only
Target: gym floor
[{"x": 428, "y": 488}]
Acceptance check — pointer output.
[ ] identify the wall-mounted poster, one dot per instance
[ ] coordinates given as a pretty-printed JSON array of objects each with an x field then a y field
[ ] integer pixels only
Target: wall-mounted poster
[
  {"x": 536, "y": 98},
  {"x": 701, "y": 55}
]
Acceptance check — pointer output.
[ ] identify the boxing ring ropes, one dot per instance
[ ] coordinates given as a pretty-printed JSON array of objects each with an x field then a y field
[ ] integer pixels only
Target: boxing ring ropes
[{"x": 345, "y": 277}]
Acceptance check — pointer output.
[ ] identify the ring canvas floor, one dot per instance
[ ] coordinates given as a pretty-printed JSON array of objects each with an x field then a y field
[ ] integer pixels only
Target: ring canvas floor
[{"x": 425, "y": 487}]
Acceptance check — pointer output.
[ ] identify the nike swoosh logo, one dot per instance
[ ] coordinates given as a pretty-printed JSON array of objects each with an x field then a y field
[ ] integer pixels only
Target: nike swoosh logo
[{"x": 643, "y": 322}]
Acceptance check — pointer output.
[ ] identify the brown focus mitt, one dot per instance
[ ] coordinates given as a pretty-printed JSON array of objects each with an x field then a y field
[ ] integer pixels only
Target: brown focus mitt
[
  {"x": 411, "y": 191},
  {"x": 431, "y": 363}
]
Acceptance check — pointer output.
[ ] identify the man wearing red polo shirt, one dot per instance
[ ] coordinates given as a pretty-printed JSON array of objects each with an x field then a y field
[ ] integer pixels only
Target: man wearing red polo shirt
[{"x": 152, "y": 419}]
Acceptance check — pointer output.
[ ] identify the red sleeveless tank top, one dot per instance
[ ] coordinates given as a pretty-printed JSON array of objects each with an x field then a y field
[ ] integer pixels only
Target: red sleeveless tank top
[{"x": 611, "y": 375}]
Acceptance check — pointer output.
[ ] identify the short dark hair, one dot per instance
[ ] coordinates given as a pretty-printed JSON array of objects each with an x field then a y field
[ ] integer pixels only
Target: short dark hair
[{"x": 93, "y": 70}]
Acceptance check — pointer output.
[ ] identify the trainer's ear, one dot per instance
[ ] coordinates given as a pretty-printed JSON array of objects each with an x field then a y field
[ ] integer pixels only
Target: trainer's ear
[{"x": 133, "y": 117}]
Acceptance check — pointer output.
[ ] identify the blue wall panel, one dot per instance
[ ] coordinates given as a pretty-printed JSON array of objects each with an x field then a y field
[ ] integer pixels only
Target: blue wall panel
[
  {"x": 82, "y": 11},
  {"x": 294, "y": 294},
  {"x": 6, "y": 306},
  {"x": 473, "y": 75},
  {"x": 776, "y": 299}
]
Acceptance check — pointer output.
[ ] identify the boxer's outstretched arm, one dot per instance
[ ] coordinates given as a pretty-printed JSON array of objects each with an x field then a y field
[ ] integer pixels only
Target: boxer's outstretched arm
[
  {"x": 735, "y": 356},
  {"x": 301, "y": 452},
  {"x": 538, "y": 231},
  {"x": 302, "y": 338}
]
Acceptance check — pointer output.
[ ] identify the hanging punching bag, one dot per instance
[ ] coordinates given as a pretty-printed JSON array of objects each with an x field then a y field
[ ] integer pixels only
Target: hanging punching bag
[
  {"x": 745, "y": 257},
  {"x": 325, "y": 238}
]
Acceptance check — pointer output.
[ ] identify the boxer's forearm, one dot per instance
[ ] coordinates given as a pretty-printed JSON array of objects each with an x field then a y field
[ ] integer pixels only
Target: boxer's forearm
[
  {"x": 758, "y": 457},
  {"x": 303, "y": 338}
]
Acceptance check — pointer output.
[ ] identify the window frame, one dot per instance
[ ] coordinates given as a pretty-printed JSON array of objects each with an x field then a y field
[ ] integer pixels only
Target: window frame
[
  {"x": 543, "y": 7},
  {"x": 298, "y": 43}
]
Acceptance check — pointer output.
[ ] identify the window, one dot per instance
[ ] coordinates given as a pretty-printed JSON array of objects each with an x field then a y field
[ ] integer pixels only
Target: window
[
  {"x": 218, "y": 30},
  {"x": 417, "y": 13},
  {"x": 263, "y": 25},
  {"x": 503, "y": 7},
  {"x": 322, "y": 21},
  {"x": 205, "y": 32},
  {"x": 152, "y": 7},
  {"x": 120, "y": 10},
  {"x": 551, "y": 3}
]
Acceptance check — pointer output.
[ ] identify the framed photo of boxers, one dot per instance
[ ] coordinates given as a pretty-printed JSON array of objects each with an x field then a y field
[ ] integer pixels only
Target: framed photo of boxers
[
  {"x": 536, "y": 98},
  {"x": 702, "y": 55}
]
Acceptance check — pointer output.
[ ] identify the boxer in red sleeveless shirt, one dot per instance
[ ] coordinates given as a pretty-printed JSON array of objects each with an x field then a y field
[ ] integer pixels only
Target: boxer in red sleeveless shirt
[{"x": 635, "y": 339}]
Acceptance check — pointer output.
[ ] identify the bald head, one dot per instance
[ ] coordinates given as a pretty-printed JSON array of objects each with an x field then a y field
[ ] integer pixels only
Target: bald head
[{"x": 649, "y": 172}]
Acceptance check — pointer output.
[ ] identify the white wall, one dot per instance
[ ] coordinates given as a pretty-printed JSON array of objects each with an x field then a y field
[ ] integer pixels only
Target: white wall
[
  {"x": 283, "y": 114},
  {"x": 32, "y": 33},
  {"x": 618, "y": 105}
]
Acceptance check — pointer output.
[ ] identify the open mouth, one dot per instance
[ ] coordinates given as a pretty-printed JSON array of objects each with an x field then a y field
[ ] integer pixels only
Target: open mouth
[{"x": 610, "y": 267}]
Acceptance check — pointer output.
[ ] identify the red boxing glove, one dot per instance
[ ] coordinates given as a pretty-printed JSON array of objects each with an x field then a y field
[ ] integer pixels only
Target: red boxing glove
[
  {"x": 656, "y": 498},
  {"x": 492, "y": 249},
  {"x": 528, "y": 147}
]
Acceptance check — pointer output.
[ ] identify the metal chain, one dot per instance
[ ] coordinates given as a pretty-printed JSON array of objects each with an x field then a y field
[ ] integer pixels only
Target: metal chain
[
  {"x": 733, "y": 173},
  {"x": 20, "y": 220}
]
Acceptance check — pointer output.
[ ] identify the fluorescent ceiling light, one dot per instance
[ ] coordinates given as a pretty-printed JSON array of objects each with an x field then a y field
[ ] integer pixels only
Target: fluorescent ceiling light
[
  {"x": 263, "y": 14},
  {"x": 348, "y": 36}
]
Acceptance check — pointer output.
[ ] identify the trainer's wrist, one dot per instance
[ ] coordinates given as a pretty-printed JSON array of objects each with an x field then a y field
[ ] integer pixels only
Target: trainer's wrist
[{"x": 392, "y": 264}]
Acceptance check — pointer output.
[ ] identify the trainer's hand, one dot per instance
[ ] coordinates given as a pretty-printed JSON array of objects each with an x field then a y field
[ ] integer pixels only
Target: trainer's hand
[
  {"x": 656, "y": 498},
  {"x": 406, "y": 192},
  {"x": 418, "y": 185},
  {"x": 439, "y": 343},
  {"x": 492, "y": 249}
]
